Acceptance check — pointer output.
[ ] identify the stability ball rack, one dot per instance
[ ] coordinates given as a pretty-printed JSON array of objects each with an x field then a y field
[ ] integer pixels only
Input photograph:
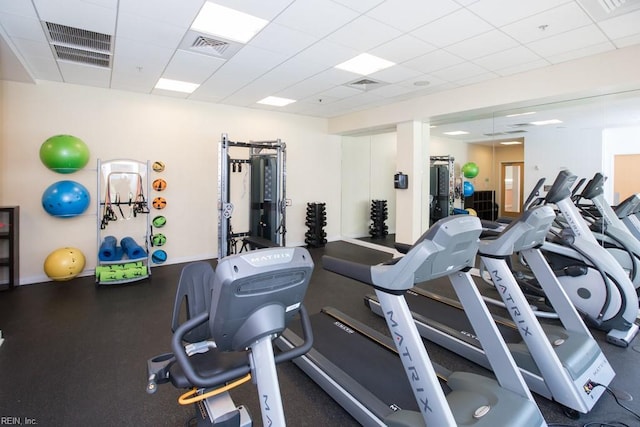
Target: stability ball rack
[{"x": 267, "y": 217}]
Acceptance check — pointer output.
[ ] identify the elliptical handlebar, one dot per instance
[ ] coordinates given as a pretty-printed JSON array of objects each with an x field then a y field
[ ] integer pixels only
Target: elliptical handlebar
[
  {"x": 535, "y": 192},
  {"x": 594, "y": 187},
  {"x": 198, "y": 380},
  {"x": 561, "y": 188}
]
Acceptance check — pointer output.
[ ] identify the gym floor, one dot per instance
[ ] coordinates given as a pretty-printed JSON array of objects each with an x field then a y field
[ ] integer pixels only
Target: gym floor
[{"x": 75, "y": 354}]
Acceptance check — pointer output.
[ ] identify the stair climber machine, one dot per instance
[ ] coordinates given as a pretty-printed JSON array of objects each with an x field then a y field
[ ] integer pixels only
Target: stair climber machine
[
  {"x": 233, "y": 315},
  {"x": 362, "y": 369},
  {"x": 609, "y": 229},
  {"x": 596, "y": 283},
  {"x": 559, "y": 362}
]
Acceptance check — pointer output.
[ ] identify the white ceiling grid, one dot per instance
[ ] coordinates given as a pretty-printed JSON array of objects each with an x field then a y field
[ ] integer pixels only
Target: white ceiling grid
[{"x": 446, "y": 43}]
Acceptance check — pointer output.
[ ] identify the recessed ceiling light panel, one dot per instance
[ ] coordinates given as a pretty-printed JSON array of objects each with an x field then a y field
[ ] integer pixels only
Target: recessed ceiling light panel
[
  {"x": 275, "y": 101},
  {"x": 456, "y": 132},
  {"x": 227, "y": 23},
  {"x": 546, "y": 122},
  {"x": 176, "y": 85},
  {"x": 365, "y": 64}
]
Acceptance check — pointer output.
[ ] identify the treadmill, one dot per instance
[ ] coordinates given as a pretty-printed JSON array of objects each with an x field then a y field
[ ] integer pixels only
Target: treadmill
[
  {"x": 363, "y": 369},
  {"x": 562, "y": 361}
]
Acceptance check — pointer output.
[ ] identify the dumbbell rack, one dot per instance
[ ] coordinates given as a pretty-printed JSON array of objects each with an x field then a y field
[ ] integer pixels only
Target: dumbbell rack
[
  {"x": 316, "y": 219},
  {"x": 379, "y": 214}
]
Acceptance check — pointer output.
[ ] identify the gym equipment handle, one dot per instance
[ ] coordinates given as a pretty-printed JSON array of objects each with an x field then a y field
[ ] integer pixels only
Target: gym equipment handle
[
  {"x": 353, "y": 270},
  {"x": 198, "y": 380}
]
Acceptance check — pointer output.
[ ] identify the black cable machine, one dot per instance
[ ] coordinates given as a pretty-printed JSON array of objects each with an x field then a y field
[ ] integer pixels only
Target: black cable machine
[{"x": 267, "y": 217}]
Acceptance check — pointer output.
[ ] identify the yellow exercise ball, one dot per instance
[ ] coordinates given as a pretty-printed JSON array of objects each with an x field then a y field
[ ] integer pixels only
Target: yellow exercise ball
[
  {"x": 64, "y": 264},
  {"x": 472, "y": 212}
]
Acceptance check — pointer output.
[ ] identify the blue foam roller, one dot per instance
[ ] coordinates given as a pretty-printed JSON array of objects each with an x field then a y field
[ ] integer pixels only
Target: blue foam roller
[
  {"x": 132, "y": 249},
  {"x": 109, "y": 250}
]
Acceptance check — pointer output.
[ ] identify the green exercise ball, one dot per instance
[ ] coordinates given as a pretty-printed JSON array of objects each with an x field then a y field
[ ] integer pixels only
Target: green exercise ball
[
  {"x": 64, "y": 153},
  {"x": 470, "y": 170}
]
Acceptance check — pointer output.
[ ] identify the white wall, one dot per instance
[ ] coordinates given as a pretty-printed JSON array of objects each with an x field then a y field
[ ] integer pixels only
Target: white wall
[
  {"x": 549, "y": 152},
  {"x": 183, "y": 134},
  {"x": 617, "y": 141},
  {"x": 368, "y": 166}
]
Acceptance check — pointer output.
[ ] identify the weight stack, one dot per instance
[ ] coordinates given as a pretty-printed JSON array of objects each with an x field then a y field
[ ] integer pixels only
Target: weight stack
[
  {"x": 316, "y": 219},
  {"x": 378, "y": 229}
]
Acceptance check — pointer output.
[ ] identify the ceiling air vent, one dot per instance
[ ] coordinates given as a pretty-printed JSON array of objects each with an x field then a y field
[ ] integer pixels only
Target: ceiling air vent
[
  {"x": 494, "y": 134},
  {"x": 600, "y": 10},
  {"x": 209, "y": 45},
  {"x": 511, "y": 132},
  {"x": 78, "y": 45},
  {"x": 365, "y": 84},
  {"x": 206, "y": 45}
]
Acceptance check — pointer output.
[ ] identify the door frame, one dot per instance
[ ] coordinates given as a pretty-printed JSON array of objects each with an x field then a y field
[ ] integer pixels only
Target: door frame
[{"x": 503, "y": 165}]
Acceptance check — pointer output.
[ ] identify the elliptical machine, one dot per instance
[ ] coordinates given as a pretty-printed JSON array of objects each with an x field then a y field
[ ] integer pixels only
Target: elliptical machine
[
  {"x": 609, "y": 229},
  {"x": 233, "y": 315},
  {"x": 597, "y": 285}
]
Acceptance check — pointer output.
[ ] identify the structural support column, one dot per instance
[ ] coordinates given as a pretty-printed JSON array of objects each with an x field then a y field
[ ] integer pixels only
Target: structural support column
[{"x": 412, "y": 204}]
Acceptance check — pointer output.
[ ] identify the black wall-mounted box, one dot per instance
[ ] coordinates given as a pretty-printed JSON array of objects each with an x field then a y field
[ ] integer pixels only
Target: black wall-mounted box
[{"x": 401, "y": 181}]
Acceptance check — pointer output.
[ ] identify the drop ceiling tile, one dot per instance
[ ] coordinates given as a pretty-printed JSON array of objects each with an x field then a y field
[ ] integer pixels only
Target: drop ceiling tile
[
  {"x": 23, "y": 27},
  {"x": 459, "y": 72},
  {"x": 548, "y": 23},
  {"x": 317, "y": 83},
  {"x": 191, "y": 67},
  {"x": 247, "y": 65},
  {"x": 402, "y": 49},
  {"x": 363, "y": 33},
  {"x": 148, "y": 31},
  {"x": 315, "y": 17},
  {"x": 406, "y": 15},
  {"x": 281, "y": 39},
  {"x": 18, "y": 7},
  {"x": 142, "y": 82},
  {"x": 339, "y": 92},
  {"x": 453, "y": 28},
  {"x": 627, "y": 41},
  {"x": 84, "y": 75},
  {"x": 359, "y": 5},
  {"x": 436, "y": 60},
  {"x": 327, "y": 53},
  {"x": 79, "y": 14},
  {"x": 581, "y": 52},
  {"x": 477, "y": 78},
  {"x": 44, "y": 68},
  {"x": 177, "y": 13},
  {"x": 622, "y": 26},
  {"x": 500, "y": 12},
  {"x": 395, "y": 74},
  {"x": 507, "y": 58},
  {"x": 482, "y": 45},
  {"x": 579, "y": 38},
  {"x": 33, "y": 48},
  {"x": 539, "y": 63},
  {"x": 130, "y": 55}
]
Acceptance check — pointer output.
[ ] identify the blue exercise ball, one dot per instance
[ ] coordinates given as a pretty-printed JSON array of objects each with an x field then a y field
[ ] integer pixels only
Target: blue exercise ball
[
  {"x": 66, "y": 199},
  {"x": 467, "y": 189}
]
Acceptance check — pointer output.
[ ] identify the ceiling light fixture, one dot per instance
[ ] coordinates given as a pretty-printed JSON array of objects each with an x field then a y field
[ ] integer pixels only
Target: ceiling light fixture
[
  {"x": 227, "y": 23},
  {"x": 365, "y": 64},
  {"x": 276, "y": 102},
  {"x": 546, "y": 122},
  {"x": 456, "y": 132},
  {"x": 176, "y": 85},
  {"x": 511, "y": 143},
  {"x": 520, "y": 114}
]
